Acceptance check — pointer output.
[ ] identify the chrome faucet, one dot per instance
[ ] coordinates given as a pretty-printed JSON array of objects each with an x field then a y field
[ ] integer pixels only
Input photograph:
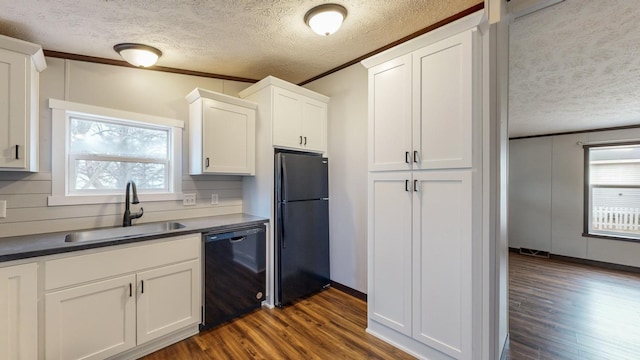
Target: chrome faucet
[{"x": 126, "y": 220}]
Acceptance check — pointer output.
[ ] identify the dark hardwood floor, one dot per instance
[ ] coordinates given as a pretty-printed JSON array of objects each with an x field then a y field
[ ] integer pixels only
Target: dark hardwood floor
[
  {"x": 558, "y": 311},
  {"x": 561, "y": 310},
  {"x": 329, "y": 325}
]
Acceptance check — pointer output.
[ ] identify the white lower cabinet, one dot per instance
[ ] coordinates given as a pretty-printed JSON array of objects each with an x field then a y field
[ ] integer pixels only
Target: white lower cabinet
[
  {"x": 102, "y": 304},
  {"x": 420, "y": 244},
  {"x": 389, "y": 294},
  {"x": 167, "y": 300},
  {"x": 441, "y": 264},
  {"x": 19, "y": 312},
  {"x": 91, "y": 321}
]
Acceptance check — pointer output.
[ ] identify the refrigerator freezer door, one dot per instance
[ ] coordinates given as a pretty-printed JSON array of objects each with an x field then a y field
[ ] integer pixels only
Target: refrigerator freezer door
[
  {"x": 301, "y": 177},
  {"x": 303, "y": 250}
]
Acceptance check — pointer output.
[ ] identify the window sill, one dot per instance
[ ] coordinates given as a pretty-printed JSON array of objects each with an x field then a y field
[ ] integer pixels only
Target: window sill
[
  {"x": 611, "y": 237},
  {"x": 61, "y": 200}
]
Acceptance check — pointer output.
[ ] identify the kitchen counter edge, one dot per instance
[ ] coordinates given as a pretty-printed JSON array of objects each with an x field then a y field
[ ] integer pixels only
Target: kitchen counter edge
[{"x": 29, "y": 246}]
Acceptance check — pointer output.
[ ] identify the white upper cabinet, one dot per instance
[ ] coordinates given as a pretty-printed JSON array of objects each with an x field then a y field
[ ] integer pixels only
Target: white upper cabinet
[
  {"x": 298, "y": 116},
  {"x": 20, "y": 64},
  {"x": 443, "y": 103},
  {"x": 287, "y": 124},
  {"x": 221, "y": 134},
  {"x": 314, "y": 125},
  {"x": 421, "y": 108},
  {"x": 390, "y": 115}
]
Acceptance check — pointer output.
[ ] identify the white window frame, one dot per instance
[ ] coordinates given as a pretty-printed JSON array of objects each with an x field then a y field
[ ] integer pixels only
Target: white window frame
[
  {"x": 588, "y": 231},
  {"x": 62, "y": 111}
]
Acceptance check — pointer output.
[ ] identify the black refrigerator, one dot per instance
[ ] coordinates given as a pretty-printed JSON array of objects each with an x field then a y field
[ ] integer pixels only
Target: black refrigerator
[{"x": 302, "y": 225}]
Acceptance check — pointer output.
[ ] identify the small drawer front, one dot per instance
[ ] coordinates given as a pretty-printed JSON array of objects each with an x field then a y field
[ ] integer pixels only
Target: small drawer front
[{"x": 122, "y": 260}]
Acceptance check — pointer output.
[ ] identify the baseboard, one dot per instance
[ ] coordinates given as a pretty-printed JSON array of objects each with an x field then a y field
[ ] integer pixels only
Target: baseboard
[
  {"x": 601, "y": 264},
  {"x": 157, "y": 344},
  {"x": 350, "y": 291},
  {"x": 505, "y": 349},
  {"x": 589, "y": 262}
]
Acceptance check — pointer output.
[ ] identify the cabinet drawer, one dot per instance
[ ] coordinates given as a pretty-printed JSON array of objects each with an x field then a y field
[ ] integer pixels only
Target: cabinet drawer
[{"x": 83, "y": 268}]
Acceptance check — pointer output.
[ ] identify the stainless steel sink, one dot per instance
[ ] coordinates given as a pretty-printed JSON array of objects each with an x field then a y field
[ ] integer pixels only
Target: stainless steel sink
[{"x": 122, "y": 232}]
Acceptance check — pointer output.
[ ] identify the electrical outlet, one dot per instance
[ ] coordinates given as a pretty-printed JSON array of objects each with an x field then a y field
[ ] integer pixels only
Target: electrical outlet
[
  {"x": 214, "y": 199},
  {"x": 3, "y": 209},
  {"x": 189, "y": 199}
]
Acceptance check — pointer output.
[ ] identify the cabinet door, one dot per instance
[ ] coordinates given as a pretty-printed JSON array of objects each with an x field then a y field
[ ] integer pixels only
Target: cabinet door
[
  {"x": 390, "y": 115},
  {"x": 92, "y": 321},
  {"x": 13, "y": 102},
  {"x": 169, "y": 299},
  {"x": 443, "y": 103},
  {"x": 442, "y": 249},
  {"x": 287, "y": 118},
  {"x": 314, "y": 125},
  {"x": 228, "y": 139},
  {"x": 389, "y": 293},
  {"x": 19, "y": 312}
]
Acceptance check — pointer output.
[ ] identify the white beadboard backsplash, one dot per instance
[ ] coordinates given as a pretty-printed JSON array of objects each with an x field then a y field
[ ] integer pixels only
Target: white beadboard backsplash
[{"x": 28, "y": 213}]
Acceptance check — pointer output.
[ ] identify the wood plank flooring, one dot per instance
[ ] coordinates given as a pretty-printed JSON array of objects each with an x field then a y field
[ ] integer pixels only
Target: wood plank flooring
[
  {"x": 558, "y": 311},
  {"x": 329, "y": 325},
  {"x": 561, "y": 310}
]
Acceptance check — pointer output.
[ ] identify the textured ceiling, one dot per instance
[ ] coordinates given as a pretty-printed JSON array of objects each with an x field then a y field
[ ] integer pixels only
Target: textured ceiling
[
  {"x": 242, "y": 38},
  {"x": 575, "y": 66}
]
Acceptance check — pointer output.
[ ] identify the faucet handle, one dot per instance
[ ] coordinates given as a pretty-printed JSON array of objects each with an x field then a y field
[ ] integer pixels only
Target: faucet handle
[{"x": 138, "y": 214}]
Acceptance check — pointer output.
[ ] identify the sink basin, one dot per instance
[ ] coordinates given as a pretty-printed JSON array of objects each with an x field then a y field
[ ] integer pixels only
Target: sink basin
[{"x": 122, "y": 232}]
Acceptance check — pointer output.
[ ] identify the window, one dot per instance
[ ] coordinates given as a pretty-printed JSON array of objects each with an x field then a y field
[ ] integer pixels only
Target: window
[
  {"x": 97, "y": 150},
  {"x": 612, "y": 191}
]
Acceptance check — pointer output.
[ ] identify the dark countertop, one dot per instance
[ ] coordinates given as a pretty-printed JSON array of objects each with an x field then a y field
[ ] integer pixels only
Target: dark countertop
[{"x": 27, "y": 246}]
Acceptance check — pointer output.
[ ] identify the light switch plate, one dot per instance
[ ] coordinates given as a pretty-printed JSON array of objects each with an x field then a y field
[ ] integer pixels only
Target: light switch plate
[
  {"x": 189, "y": 199},
  {"x": 214, "y": 199},
  {"x": 3, "y": 209}
]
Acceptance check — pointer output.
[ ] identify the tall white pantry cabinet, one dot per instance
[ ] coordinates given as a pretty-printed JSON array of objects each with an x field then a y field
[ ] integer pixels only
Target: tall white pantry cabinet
[{"x": 424, "y": 191}]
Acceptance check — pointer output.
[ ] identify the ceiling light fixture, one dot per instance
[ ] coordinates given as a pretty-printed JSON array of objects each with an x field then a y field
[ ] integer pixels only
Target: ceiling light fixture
[
  {"x": 138, "y": 54},
  {"x": 325, "y": 19}
]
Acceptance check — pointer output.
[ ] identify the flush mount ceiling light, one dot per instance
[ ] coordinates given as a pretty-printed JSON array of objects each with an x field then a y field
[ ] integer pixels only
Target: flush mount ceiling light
[
  {"x": 325, "y": 19},
  {"x": 138, "y": 54}
]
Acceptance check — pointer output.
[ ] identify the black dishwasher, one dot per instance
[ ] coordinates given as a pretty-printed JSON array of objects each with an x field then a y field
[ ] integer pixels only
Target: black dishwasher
[{"x": 234, "y": 273}]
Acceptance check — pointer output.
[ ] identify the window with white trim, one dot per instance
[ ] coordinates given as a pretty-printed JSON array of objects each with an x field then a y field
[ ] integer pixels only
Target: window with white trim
[
  {"x": 98, "y": 150},
  {"x": 612, "y": 192}
]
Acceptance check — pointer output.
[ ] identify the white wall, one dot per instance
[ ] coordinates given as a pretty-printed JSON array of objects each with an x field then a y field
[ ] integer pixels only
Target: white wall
[
  {"x": 530, "y": 194},
  {"x": 347, "y": 148},
  {"x": 129, "y": 89},
  {"x": 566, "y": 213}
]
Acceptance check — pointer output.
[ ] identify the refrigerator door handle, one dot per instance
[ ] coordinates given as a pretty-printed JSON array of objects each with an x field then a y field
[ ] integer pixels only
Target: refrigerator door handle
[
  {"x": 281, "y": 225},
  {"x": 283, "y": 178}
]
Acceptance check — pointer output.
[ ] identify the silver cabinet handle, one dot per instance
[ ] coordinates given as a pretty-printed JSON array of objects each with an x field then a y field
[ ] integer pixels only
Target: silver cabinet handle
[
  {"x": 206, "y": 162},
  {"x": 305, "y": 140},
  {"x": 300, "y": 139}
]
